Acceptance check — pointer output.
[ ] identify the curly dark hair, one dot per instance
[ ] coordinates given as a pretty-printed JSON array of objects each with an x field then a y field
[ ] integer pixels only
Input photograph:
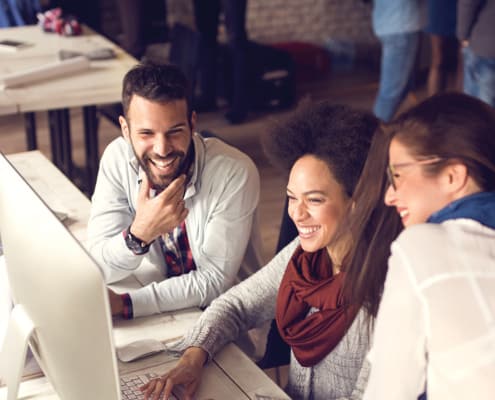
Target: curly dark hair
[{"x": 336, "y": 134}]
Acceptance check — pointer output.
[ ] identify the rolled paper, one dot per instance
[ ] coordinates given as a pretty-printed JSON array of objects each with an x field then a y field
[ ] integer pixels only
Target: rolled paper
[{"x": 46, "y": 71}]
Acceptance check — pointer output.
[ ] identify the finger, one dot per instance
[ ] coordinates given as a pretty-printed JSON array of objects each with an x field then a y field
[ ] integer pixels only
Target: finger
[
  {"x": 183, "y": 214},
  {"x": 158, "y": 389},
  {"x": 169, "y": 386},
  {"x": 175, "y": 189},
  {"x": 148, "y": 388},
  {"x": 190, "y": 390}
]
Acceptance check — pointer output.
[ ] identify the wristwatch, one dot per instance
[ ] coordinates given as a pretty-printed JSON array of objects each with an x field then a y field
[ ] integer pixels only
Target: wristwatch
[{"x": 136, "y": 245}]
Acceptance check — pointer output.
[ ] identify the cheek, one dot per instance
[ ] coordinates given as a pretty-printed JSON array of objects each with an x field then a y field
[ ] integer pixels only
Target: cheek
[{"x": 330, "y": 217}]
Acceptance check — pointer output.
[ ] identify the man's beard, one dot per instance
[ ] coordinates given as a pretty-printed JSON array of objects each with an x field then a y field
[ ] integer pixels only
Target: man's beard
[{"x": 160, "y": 182}]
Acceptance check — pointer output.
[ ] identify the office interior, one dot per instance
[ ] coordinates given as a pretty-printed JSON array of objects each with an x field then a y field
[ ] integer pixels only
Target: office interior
[
  {"x": 342, "y": 64},
  {"x": 348, "y": 74}
]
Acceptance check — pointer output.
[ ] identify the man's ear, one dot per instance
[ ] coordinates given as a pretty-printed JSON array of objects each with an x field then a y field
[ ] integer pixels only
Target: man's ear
[
  {"x": 124, "y": 128},
  {"x": 193, "y": 121}
]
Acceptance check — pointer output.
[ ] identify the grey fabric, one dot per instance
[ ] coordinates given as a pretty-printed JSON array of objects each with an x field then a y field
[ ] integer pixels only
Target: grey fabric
[{"x": 251, "y": 303}]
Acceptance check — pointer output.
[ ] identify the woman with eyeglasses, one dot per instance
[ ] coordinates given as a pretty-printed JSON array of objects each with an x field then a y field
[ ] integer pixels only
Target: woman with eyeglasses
[{"x": 435, "y": 328}]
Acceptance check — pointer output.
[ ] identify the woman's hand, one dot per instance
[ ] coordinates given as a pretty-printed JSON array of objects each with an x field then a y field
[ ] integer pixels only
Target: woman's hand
[{"x": 187, "y": 373}]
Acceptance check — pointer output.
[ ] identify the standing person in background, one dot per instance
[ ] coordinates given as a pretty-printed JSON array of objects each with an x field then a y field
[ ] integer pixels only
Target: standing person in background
[
  {"x": 136, "y": 19},
  {"x": 476, "y": 31},
  {"x": 207, "y": 18},
  {"x": 435, "y": 327},
  {"x": 441, "y": 27},
  {"x": 398, "y": 25}
]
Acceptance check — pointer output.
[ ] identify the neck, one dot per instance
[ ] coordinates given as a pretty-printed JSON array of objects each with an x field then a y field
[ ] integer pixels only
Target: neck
[{"x": 336, "y": 257}]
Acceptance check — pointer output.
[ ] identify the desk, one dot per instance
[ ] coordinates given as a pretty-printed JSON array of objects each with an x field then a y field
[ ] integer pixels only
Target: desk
[
  {"x": 7, "y": 106},
  {"x": 101, "y": 84},
  {"x": 230, "y": 375}
]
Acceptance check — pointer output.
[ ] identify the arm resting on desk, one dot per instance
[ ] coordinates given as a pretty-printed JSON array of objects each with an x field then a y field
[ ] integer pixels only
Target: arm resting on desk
[
  {"x": 243, "y": 307},
  {"x": 246, "y": 305}
]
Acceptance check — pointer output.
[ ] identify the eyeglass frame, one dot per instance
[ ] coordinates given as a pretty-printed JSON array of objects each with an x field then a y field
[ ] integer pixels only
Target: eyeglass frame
[{"x": 390, "y": 168}]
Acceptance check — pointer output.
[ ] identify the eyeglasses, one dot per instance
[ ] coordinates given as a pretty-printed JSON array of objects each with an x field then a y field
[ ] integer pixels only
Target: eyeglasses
[{"x": 391, "y": 169}]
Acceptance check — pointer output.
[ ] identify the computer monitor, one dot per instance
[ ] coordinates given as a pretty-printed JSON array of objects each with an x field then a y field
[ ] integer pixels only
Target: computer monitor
[{"x": 61, "y": 306}]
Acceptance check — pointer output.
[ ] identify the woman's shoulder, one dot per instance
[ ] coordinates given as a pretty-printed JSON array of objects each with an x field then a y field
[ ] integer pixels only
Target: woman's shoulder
[
  {"x": 425, "y": 250},
  {"x": 431, "y": 234}
]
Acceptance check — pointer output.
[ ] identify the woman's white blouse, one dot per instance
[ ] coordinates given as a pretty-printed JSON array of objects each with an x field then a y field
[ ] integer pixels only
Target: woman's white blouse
[{"x": 435, "y": 327}]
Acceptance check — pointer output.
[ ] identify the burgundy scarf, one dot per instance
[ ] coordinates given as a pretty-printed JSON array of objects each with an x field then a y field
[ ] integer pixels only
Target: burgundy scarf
[{"x": 308, "y": 282}]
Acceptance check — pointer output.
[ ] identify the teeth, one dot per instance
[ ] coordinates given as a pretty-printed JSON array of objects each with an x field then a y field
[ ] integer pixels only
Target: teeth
[
  {"x": 403, "y": 213},
  {"x": 162, "y": 164},
  {"x": 307, "y": 230}
]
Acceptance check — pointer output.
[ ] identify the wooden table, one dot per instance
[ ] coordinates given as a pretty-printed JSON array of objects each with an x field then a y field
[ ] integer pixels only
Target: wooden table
[
  {"x": 230, "y": 375},
  {"x": 101, "y": 84}
]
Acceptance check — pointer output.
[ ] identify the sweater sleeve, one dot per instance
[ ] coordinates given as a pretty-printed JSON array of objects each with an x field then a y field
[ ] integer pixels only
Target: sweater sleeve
[{"x": 244, "y": 306}]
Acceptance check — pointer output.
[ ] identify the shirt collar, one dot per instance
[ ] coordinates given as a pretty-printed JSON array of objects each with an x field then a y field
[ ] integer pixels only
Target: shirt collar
[{"x": 478, "y": 206}]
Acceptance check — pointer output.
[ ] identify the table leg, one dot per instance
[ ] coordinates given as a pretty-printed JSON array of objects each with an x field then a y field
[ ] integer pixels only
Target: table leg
[
  {"x": 60, "y": 138},
  {"x": 91, "y": 146},
  {"x": 30, "y": 126}
]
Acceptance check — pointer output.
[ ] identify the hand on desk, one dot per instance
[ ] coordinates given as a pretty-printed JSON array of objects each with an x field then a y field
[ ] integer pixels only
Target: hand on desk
[
  {"x": 187, "y": 373},
  {"x": 161, "y": 214}
]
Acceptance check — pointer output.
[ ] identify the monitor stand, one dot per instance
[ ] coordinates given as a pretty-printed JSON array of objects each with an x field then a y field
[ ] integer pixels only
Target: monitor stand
[{"x": 14, "y": 351}]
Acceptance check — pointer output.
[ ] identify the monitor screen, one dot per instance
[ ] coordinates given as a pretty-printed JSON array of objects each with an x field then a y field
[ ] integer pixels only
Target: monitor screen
[{"x": 61, "y": 289}]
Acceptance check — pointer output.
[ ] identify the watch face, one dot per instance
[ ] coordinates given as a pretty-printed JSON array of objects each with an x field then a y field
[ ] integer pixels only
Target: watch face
[{"x": 134, "y": 244}]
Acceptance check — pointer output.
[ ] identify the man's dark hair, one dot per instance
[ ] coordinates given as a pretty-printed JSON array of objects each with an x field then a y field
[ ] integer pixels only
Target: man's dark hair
[
  {"x": 160, "y": 83},
  {"x": 336, "y": 134}
]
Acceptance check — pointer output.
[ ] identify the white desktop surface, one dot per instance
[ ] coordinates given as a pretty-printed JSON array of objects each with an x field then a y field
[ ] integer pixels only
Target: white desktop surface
[
  {"x": 101, "y": 84},
  {"x": 55, "y": 189},
  {"x": 230, "y": 375}
]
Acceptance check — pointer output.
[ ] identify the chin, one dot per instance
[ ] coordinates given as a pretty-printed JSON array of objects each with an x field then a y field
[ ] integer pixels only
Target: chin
[{"x": 310, "y": 247}]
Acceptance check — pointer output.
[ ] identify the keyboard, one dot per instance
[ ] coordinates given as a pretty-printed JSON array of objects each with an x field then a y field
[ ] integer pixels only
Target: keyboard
[{"x": 130, "y": 384}]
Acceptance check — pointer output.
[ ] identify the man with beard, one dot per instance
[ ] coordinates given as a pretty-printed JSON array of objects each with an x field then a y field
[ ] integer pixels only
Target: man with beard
[{"x": 164, "y": 194}]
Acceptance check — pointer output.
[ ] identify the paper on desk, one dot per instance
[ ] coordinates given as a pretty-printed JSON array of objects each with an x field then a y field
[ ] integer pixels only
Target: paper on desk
[
  {"x": 165, "y": 327},
  {"x": 46, "y": 71}
]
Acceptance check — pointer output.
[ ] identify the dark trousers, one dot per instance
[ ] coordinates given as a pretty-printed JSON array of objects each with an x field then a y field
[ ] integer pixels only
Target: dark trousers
[
  {"x": 137, "y": 18},
  {"x": 207, "y": 17}
]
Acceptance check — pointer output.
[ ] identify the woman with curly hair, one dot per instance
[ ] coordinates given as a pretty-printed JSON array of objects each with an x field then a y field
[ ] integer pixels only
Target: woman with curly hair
[{"x": 325, "y": 147}]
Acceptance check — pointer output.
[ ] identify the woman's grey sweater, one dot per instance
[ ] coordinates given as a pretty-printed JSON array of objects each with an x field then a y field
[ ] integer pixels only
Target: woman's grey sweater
[{"x": 251, "y": 303}]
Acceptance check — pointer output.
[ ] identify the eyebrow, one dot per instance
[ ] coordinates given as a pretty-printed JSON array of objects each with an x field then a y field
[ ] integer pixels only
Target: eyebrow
[
  {"x": 171, "y": 129},
  {"x": 309, "y": 192},
  {"x": 176, "y": 126}
]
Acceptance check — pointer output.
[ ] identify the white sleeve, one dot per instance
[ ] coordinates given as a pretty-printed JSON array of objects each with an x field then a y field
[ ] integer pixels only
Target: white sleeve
[
  {"x": 111, "y": 214},
  {"x": 398, "y": 352},
  {"x": 218, "y": 258}
]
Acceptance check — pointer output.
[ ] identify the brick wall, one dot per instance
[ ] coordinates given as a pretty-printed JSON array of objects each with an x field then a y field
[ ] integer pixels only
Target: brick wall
[
  {"x": 270, "y": 21},
  {"x": 314, "y": 21}
]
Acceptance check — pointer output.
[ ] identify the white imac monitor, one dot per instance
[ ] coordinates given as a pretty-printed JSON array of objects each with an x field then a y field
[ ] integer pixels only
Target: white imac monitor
[{"x": 61, "y": 307}]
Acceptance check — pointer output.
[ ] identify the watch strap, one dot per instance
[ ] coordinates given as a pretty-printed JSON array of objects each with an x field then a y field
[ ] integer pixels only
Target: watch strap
[{"x": 135, "y": 244}]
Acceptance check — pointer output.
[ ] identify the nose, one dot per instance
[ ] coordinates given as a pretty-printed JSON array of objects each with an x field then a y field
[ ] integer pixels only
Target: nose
[
  {"x": 160, "y": 145},
  {"x": 298, "y": 211},
  {"x": 390, "y": 196}
]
